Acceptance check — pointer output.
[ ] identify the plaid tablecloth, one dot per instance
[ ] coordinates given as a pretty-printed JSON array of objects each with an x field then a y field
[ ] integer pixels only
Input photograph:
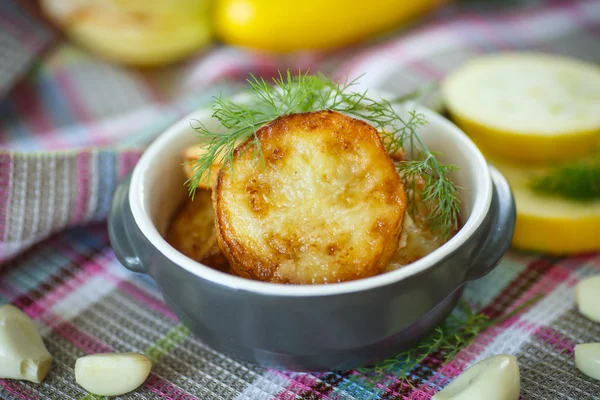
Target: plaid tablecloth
[{"x": 59, "y": 268}]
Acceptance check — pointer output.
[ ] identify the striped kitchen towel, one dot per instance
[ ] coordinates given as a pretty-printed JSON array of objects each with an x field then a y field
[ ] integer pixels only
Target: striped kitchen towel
[
  {"x": 59, "y": 268},
  {"x": 41, "y": 193}
]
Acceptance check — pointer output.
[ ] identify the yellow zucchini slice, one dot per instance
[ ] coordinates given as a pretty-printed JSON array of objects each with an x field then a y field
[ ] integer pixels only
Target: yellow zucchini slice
[
  {"x": 551, "y": 224},
  {"x": 527, "y": 107}
]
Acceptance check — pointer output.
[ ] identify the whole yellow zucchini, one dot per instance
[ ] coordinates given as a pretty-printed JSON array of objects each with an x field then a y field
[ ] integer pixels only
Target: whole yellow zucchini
[{"x": 284, "y": 26}]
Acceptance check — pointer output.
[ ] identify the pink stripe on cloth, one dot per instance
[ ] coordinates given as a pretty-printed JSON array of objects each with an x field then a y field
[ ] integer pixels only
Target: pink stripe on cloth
[
  {"x": 545, "y": 285},
  {"x": 128, "y": 160},
  {"x": 145, "y": 298},
  {"x": 555, "y": 339},
  {"x": 577, "y": 11},
  {"x": 234, "y": 64},
  {"x": 16, "y": 390},
  {"x": 83, "y": 186},
  {"x": 80, "y": 339},
  {"x": 5, "y": 188},
  {"x": 27, "y": 102},
  {"x": 87, "y": 271},
  {"x": 444, "y": 374},
  {"x": 166, "y": 389},
  {"x": 294, "y": 386},
  {"x": 399, "y": 389},
  {"x": 426, "y": 69}
]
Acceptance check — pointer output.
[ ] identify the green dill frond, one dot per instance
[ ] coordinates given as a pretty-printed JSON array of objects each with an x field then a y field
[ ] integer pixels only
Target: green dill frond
[
  {"x": 458, "y": 331},
  {"x": 577, "y": 180},
  {"x": 291, "y": 94}
]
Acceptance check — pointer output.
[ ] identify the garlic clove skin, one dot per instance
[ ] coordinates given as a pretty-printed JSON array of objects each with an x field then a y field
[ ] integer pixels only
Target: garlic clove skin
[
  {"x": 112, "y": 374},
  {"x": 495, "y": 378},
  {"x": 23, "y": 354},
  {"x": 587, "y": 296},
  {"x": 587, "y": 359}
]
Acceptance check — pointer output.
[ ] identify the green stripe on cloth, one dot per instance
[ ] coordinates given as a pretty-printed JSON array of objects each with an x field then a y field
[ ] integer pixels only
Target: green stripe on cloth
[{"x": 162, "y": 346}]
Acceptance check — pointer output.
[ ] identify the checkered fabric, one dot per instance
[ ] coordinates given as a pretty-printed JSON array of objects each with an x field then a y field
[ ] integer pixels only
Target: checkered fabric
[
  {"x": 23, "y": 36},
  {"x": 58, "y": 267}
]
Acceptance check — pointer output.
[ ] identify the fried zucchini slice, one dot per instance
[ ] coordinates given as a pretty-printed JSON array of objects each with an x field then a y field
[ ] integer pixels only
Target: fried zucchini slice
[
  {"x": 193, "y": 153},
  {"x": 192, "y": 232},
  {"x": 325, "y": 206}
]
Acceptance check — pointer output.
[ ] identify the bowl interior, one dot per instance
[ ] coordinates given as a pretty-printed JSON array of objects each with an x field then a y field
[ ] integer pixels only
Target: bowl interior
[{"x": 157, "y": 186}]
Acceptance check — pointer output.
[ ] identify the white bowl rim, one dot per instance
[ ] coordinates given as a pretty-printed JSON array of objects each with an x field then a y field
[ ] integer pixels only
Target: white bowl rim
[{"x": 479, "y": 211}]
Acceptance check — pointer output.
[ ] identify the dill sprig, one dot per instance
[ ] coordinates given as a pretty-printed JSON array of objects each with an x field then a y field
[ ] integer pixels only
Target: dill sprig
[
  {"x": 577, "y": 180},
  {"x": 458, "y": 331},
  {"x": 301, "y": 93}
]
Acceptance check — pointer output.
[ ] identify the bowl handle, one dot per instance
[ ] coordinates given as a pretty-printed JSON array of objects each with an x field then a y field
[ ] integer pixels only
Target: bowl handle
[
  {"x": 500, "y": 230},
  {"x": 119, "y": 220}
]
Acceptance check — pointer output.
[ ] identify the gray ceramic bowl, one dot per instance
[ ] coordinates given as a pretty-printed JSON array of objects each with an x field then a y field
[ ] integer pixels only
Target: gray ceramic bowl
[{"x": 314, "y": 327}]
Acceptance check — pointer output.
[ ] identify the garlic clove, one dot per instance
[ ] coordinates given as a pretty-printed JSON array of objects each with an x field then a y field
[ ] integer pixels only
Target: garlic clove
[
  {"x": 22, "y": 351},
  {"x": 587, "y": 359},
  {"x": 587, "y": 296},
  {"x": 495, "y": 378},
  {"x": 112, "y": 374}
]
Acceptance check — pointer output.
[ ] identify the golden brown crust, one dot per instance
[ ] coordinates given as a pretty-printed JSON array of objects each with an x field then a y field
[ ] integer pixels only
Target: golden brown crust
[
  {"x": 192, "y": 153},
  {"x": 192, "y": 232},
  {"x": 325, "y": 206}
]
